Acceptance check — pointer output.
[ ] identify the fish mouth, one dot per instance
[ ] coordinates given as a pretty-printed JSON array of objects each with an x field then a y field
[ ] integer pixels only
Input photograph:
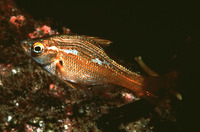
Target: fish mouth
[{"x": 26, "y": 46}]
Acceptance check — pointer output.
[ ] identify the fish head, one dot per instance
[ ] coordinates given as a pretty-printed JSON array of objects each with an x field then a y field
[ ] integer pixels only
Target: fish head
[{"x": 43, "y": 51}]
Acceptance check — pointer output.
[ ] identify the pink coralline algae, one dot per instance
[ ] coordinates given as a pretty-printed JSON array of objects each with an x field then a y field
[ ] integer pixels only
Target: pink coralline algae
[
  {"x": 5, "y": 69},
  {"x": 55, "y": 91},
  {"x": 42, "y": 31},
  {"x": 18, "y": 20},
  {"x": 30, "y": 128},
  {"x": 128, "y": 97}
]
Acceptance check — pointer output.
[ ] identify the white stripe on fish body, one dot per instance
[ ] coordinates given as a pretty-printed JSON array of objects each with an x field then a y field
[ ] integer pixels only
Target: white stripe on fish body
[
  {"x": 70, "y": 51},
  {"x": 105, "y": 62},
  {"x": 96, "y": 60},
  {"x": 52, "y": 48}
]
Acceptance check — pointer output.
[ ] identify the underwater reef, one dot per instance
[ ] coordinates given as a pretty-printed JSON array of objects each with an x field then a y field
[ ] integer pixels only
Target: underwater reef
[{"x": 33, "y": 100}]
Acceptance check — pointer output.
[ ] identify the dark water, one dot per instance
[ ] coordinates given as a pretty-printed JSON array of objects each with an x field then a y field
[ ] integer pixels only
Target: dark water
[
  {"x": 157, "y": 31},
  {"x": 154, "y": 30}
]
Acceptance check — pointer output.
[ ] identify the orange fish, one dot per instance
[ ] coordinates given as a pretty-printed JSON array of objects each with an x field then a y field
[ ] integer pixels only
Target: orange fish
[{"x": 80, "y": 59}]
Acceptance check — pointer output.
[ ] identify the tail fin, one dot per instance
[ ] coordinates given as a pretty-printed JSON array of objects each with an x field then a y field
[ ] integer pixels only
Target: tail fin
[
  {"x": 153, "y": 89},
  {"x": 156, "y": 87}
]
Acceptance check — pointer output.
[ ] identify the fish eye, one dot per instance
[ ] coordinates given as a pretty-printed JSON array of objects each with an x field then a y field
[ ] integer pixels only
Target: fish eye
[{"x": 38, "y": 47}]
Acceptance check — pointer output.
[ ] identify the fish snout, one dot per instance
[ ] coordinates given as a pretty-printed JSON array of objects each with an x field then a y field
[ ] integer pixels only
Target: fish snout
[{"x": 26, "y": 46}]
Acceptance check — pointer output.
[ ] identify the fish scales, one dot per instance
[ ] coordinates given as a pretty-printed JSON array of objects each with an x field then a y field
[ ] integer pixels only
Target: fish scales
[
  {"x": 81, "y": 70},
  {"x": 81, "y": 60}
]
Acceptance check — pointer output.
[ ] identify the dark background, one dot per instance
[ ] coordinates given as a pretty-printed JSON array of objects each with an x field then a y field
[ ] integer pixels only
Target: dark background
[{"x": 156, "y": 31}]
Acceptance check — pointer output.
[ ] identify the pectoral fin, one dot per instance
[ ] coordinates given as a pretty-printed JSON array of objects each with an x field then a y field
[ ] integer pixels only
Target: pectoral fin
[{"x": 59, "y": 68}]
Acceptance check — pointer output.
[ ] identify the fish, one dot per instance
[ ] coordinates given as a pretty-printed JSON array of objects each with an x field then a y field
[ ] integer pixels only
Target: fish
[{"x": 81, "y": 60}]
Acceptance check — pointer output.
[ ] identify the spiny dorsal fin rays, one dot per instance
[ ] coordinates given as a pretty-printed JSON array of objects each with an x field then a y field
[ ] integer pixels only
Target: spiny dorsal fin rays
[
  {"x": 98, "y": 40},
  {"x": 94, "y": 40}
]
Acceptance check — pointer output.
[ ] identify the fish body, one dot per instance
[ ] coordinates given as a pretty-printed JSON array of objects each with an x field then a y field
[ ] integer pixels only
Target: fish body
[{"x": 80, "y": 59}]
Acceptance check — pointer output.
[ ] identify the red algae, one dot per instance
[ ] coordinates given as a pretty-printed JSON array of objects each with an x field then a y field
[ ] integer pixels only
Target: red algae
[
  {"x": 18, "y": 20},
  {"x": 42, "y": 31}
]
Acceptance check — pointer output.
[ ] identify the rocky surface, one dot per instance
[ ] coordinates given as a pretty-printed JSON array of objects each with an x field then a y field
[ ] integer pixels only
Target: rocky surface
[{"x": 33, "y": 100}]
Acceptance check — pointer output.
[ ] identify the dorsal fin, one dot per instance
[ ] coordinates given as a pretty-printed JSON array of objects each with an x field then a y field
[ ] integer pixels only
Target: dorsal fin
[{"x": 98, "y": 40}]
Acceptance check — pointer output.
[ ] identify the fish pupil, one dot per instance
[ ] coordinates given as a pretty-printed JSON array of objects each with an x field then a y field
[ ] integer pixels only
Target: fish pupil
[{"x": 37, "y": 48}]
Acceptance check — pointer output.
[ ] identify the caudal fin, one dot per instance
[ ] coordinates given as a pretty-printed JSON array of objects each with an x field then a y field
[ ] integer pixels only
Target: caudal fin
[
  {"x": 155, "y": 85},
  {"x": 155, "y": 88}
]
